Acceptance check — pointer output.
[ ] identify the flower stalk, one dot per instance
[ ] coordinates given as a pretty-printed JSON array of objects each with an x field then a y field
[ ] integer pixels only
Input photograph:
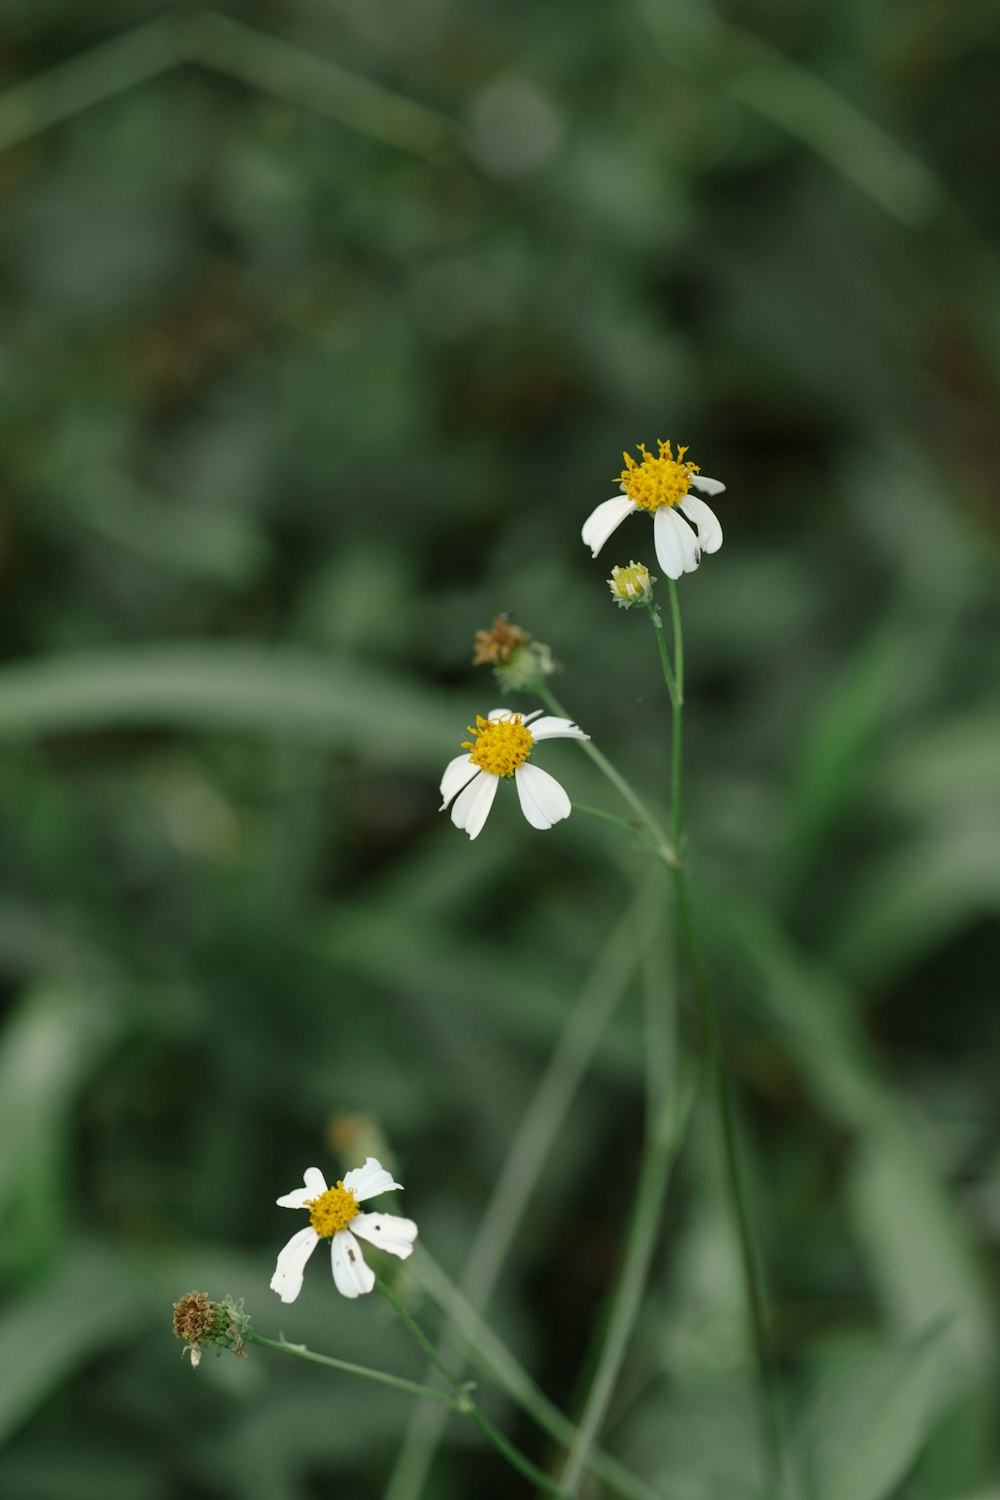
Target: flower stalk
[
  {"x": 467, "y": 1406},
  {"x": 709, "y": 1021}
]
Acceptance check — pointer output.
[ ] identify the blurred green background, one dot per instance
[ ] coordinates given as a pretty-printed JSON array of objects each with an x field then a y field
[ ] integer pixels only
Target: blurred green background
[{"x": 324, "y": 328}]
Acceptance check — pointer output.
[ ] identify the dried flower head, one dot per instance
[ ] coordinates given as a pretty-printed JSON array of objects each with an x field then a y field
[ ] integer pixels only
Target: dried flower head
[
  {"x": 495, "y": 646},
  {"x": 194, "y": 1315},
  {"x": 198, "y": 1320}
]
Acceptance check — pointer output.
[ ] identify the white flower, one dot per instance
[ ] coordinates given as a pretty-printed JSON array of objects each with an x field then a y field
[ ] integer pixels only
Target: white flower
[
  {"x": 662, "y": 485},
  {"x": 330, "y": 1212},
  {"x": 501, "y": 747}
]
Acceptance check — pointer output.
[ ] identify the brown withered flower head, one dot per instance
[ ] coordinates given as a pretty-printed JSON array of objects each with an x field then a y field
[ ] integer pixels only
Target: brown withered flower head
[
  {"x": 495, "y": 646},
  {"x": 198, "y": 1320},
  {"x": 193, "y": 1317}
]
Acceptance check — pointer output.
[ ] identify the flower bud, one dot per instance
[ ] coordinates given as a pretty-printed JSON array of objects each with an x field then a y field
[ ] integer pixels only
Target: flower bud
[{"x": 631, "y": 585}]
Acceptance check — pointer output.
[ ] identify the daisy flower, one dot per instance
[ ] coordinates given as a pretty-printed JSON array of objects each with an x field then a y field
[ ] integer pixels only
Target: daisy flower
[
  {"x": 683, "y": 525},
  {"x": 331, "y": 1210},
  {"x": 501, "y": 746}
]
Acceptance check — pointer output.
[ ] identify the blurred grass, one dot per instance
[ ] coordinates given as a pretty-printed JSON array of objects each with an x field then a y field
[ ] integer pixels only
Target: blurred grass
[{"x": 316, "y": 356}]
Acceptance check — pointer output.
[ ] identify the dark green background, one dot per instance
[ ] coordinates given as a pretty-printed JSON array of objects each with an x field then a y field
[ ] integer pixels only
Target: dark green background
[{"x": 299, "y": 386}]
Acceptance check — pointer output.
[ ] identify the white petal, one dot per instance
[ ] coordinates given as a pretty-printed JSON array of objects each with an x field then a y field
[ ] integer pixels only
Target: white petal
[
  {"x": 353, "y": 1276},
  {"x": 299, "y": 1197},
  {"x": 287, "y": 1278},
  {"x": 508, "y": 713},
  {"x": 457, "y": 773},
  {"x": 543, "y": 800},
  {"x": 471, "y": 808},
  {"x": 707, "y": 522},
  {"x": 710, "y": 486},
  {"x": 369, "y": 1180},
  {"x": 551, "y": 728},
  {"x": 604, "y": 520},
  {"x": 670, "y": 538},
  {"x": 387, "y": 1231}
]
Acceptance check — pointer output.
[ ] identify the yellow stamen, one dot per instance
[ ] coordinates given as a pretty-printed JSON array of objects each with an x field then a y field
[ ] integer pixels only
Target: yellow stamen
[
  {"x": 332, "y": 1210},
  {"x": 656, "y": 481},
  {"x": 500, "y": 745}
]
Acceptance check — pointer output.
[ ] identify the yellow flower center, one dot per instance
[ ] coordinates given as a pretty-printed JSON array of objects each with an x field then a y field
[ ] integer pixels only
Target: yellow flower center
[
  {"x": 500, "y": 745},
  {"x": 332, "y": 1210},
  {"x": 656, "y": 481}
]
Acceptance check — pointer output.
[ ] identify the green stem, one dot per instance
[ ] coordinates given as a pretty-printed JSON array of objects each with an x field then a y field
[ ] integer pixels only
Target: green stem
[
  {"x": 426, "y": 1345},
  {"x": 492, "y": 1356},
  {"x": 668, "y": 671},
  {"x": 713, "y": 1046},
  {"x": 530, "y": 1149},
  {"x": 465, "y": 1404},
  {"x": 663, "y": 846},
  {"x": 720, "y": 1092},
  {"x": 640, "y": 1243},
  {"x": 676, "y": 759},
  {"x": 596, "y": 812},
  {"x": 300, "y": 1351}
]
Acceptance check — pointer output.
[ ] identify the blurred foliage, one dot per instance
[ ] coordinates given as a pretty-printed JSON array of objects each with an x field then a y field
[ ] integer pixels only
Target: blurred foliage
[{"x": 324, "y": 332}]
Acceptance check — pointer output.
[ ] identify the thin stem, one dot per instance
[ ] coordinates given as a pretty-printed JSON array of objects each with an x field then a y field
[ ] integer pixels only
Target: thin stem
[
  {"x": 663, "y": 846},
  {"x": 713, "y": 1047},
  {"x": 491, "y": 1355},
  {"x": 596, "y": 812},
  {"x": 720, "y": 1092},
  {"x": 515, "y": 1457},
  {"x": 529, "y": 1151},
  {"x": 668, "y": 671},
  {"x": 467, "y": 1406},
  {"x": 426, "y": 1345},
  {"x": 639, "y": 1245},
  {"x": 299, "y": 1351}
]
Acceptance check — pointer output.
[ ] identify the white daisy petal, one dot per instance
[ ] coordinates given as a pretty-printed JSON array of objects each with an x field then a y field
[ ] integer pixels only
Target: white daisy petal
[
  {"x": 299, "y": 1197},
  {"x": 369, "y": 1180},
  {"x": 387, "y": 1232},
  {"x": 551, "y": 728},
  {"x": 472, "y": 806},
  {"x": 690, "y": 543},
  {"x": 287, "y": 1278},
  {"x": 543, "y": 800},
  {"x": 352, "y": 1275},
  {"x": 707, "y": 522},
  {"x": 709, "y": 486},
  {"x": 457, "y": 773},
  {"x": 604, "y": 520},
  {"x": 668, "y": 539}
]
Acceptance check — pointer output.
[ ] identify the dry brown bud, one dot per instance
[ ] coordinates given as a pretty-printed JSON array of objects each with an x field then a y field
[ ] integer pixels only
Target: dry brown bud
[{"x": 497, "y": 644}]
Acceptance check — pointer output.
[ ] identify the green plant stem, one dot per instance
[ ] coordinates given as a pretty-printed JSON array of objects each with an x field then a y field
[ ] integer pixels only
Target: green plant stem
[
  {"x": 299, "y": 1351},
  {"x": 668, "y": 671},
  {"x": 677, "y": 748},
  {"x": 596, "y": 812},
  {"x": 663, "y": 847},
  {"x": 529, "y": 1152},
  {"x": 709, "y": 1021},
  {"x": 658, "y": 1157},
  {"x": 467, "y": 1406},
  {"x": 720, "y": 1093},
  {"x": 485, "y": 1350}
]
